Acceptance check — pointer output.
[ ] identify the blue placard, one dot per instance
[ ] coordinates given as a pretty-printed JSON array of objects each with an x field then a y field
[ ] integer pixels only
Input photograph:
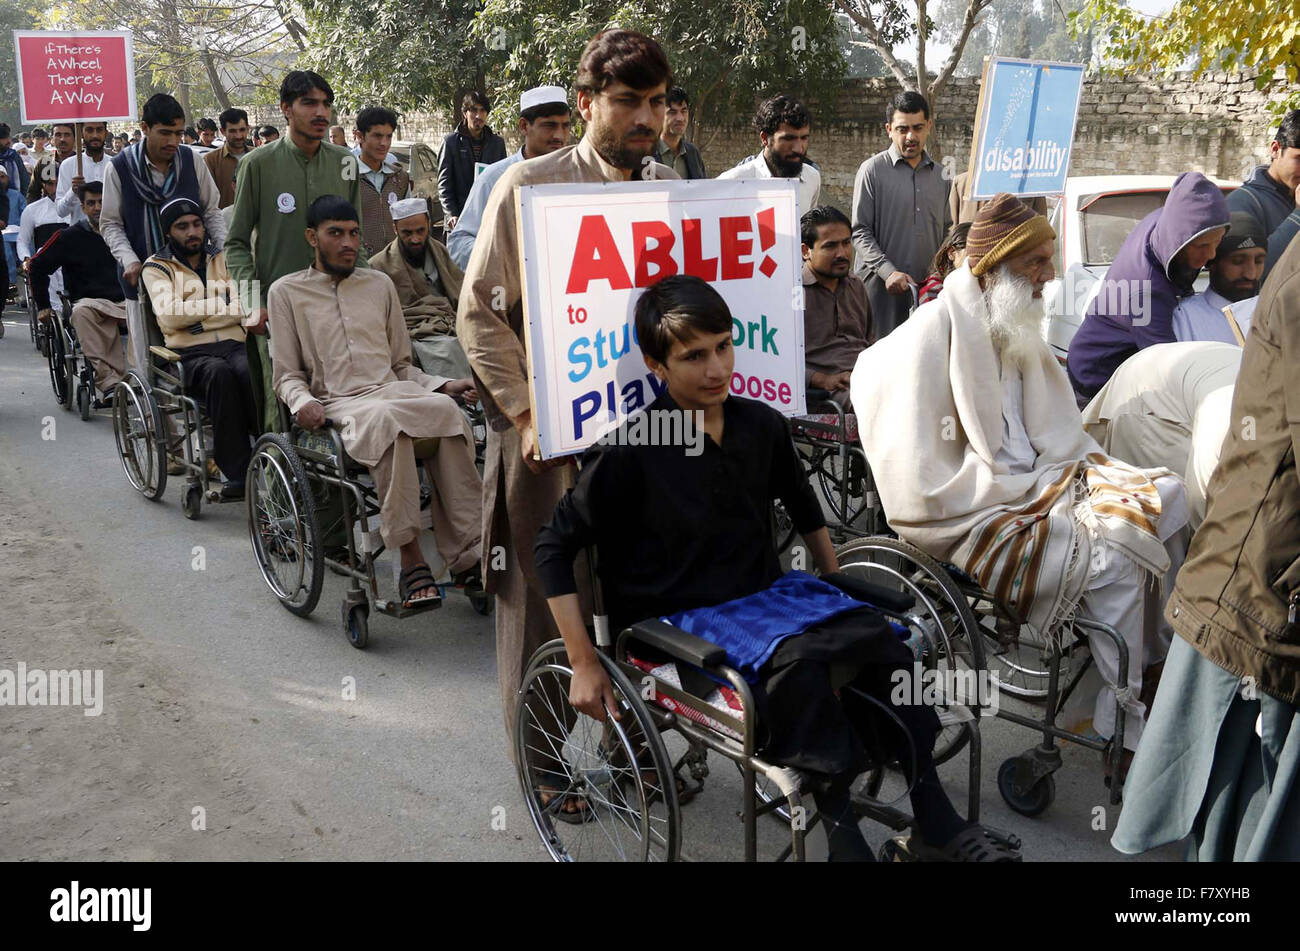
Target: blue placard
[{"x": 1026, "y": 127}]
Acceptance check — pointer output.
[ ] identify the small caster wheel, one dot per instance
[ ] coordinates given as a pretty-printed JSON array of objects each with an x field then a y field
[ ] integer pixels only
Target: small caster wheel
[
  {"x": 83, "y": 401},
  {"x": 192, "y": 502},
  {"x": 481, "y": 602},
  {"x": 1031, "y": 802},
  {"x": 356, "y": 624}
]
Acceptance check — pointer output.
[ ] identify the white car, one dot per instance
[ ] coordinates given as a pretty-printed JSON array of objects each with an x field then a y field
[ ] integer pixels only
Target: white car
[{"x": 1092, "y": 220}]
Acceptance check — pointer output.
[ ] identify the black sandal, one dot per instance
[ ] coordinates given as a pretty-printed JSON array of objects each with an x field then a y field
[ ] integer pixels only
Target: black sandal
[
  {"x": 417, "y": 578},
  {"x": 972, "y": 844}
]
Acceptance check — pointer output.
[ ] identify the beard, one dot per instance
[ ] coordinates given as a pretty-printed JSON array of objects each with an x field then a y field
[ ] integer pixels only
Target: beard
[
  {"x": 414, "y": 256},
  {"x": 1013, "y": 315},
  {"x": 616, "y": 151},
  {"x": 336, "y": 268},
  {"x": 1233, "y": 293},
  {"x": 789, "y": 167},
  {"x": 180, "y": 250}
]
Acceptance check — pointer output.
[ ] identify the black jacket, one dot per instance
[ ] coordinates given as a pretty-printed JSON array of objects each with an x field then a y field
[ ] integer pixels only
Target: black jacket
[
  {"x": 456, "y": 169},
  {"x": 89, "y": 269}
]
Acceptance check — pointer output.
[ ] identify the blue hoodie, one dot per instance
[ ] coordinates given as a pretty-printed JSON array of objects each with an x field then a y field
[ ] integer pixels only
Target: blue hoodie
[{"x": 1135, "y": 307}]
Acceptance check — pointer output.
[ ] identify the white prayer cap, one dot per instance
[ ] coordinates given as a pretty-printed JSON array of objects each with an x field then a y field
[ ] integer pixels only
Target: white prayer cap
[
  {"x": 408, "y": 207},
  {"x": 541, "y": 96}
]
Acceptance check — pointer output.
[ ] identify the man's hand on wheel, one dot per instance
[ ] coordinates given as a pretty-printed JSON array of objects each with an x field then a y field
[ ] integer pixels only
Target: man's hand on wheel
[
  {"x": 132, "y": 273},
  {"x": 590, "y": 691},
  {"x": 311, "y": 416},
  {"x": 44, "y": 315}
]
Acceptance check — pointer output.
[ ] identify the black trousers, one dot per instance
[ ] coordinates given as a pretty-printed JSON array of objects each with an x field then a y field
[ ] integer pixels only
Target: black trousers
[
  {"x": 810, "y": 700},
  {"x": 217, "y": 374}
]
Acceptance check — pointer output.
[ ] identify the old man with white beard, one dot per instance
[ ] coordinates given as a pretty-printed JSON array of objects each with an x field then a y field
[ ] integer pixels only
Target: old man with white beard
[{"x": 987, "y": 465}]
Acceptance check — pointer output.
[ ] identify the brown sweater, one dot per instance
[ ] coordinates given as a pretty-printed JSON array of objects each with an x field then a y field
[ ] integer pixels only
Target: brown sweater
[
  {"x": 377, "y": 227},
  {"x": 426, "y": 313}
]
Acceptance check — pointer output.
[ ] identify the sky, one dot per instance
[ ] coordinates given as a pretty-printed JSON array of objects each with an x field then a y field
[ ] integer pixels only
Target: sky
[{"x": 937, "y": 52}]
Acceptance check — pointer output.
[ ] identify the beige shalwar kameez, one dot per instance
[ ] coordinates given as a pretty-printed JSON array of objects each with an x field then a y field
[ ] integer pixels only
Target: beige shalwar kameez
[
  {"x": 344, "y": 343},
  {"x": 98, "y": 323},
  {"x": 516, "y": 502}
]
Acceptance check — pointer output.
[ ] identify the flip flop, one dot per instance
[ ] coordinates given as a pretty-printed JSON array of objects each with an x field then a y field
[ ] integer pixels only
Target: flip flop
[
  {"x": 417, "y": 578},
  {"x": 560, "y": 795}
]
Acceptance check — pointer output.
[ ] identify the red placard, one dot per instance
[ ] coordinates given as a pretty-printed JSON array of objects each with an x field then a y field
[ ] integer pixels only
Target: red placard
[{"x": 75, "y": 76}]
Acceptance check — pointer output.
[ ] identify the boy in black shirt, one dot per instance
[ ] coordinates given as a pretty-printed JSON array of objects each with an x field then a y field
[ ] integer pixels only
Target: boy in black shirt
[{"x": 685, "y": 526}]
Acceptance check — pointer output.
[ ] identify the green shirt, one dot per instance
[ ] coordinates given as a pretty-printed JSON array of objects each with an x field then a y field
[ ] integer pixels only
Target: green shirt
[{"x": 274, "y": 186}]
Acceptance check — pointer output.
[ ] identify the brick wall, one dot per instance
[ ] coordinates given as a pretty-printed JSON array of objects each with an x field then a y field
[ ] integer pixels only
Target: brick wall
[{"x": 1219, "y": 125}]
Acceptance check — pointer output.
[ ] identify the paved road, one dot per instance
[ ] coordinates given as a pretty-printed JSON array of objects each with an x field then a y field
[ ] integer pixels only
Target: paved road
[{"x": 218, "y": 699}]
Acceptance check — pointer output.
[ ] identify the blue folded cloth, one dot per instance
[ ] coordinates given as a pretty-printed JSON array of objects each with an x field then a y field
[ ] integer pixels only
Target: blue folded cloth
[{"x": 751, "y": 628}]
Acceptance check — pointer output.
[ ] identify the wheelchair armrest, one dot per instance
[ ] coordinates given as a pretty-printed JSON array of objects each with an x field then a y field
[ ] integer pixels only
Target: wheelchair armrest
[
  {"x": 680, "y": 644},
  {"x": 818, "y": 396},
  {"x": 871, "y": 593},
  {"x": 165, "y": 353}
]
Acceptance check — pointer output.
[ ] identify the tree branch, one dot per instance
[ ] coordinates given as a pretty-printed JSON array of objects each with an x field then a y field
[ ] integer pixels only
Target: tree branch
[
  {"x": 867, "y": 24},
  {"x": 973, "y": 10}
]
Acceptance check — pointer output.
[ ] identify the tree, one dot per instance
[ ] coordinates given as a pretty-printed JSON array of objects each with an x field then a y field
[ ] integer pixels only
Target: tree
[
  {"x": 1037, "y": 29},
  {"x": 1219, "y": 35},
  {"x": 211, "y": 54},
  {"x": 401, "y": 55},
  {"x": 12, "y": 17},
  {"x": 887, "y": 24},
  {"x": 726, "y": 53}
]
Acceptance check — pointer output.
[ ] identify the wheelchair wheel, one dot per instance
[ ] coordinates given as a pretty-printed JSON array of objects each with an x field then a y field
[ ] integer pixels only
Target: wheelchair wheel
[
  {"x": 54, "y": 355},
  {"x": 192, "y": 503},
  {"x": 1020, "y": 656},
  {"x": 282, "y": 524},
  {"x": 481, "y": 602},
  {"x": 954, "y": 647},
  {"x": 618, "y": 769},
  {"x": 69, "y": 377},
  {"x": 83, "y": 401},
  {"x": 1028, "y": 802},
  {"x": 830, "y": 473},
  {"x": 141, "y": 440},
  {"x": 356, "y": 624}
]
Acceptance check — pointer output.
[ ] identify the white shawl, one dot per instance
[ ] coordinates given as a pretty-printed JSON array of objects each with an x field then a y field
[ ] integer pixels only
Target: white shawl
[{"x": 929, "y": 404}]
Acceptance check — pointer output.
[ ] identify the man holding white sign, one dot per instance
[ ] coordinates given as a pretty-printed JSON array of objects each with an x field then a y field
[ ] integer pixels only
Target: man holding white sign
[{"x": 622, "y": 86}]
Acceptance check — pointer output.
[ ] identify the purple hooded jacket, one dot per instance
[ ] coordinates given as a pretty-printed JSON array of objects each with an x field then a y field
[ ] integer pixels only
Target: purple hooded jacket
[{"x": 1135, "y": 308}]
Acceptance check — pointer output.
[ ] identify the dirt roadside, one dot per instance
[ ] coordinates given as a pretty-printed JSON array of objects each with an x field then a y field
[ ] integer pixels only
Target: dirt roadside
[{"x": 122, "y": 785}]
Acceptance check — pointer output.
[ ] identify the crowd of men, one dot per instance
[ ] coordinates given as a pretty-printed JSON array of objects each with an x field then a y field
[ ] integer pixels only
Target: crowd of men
[{"x": 302, "y": 271}]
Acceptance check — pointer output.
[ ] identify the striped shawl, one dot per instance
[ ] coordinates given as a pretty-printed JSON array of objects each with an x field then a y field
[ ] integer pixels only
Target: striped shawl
[{"x": 932, "y": 438}]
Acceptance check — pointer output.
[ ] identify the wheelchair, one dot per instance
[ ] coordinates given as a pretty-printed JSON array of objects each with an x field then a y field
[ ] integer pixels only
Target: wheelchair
[
  {"x": 34, "y": 325},
  {"x": 41, "y": 237},
  {"x": 71, "y": 375},
  {"x": 625, "y": 773},
  {"x": 287, "y": 471},
  {"x": 158, "y": 424},
  {"x": 983, "y": 633},
  {"x": 827, "y": 441},
  {"x": 1029, "y": 665}
]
